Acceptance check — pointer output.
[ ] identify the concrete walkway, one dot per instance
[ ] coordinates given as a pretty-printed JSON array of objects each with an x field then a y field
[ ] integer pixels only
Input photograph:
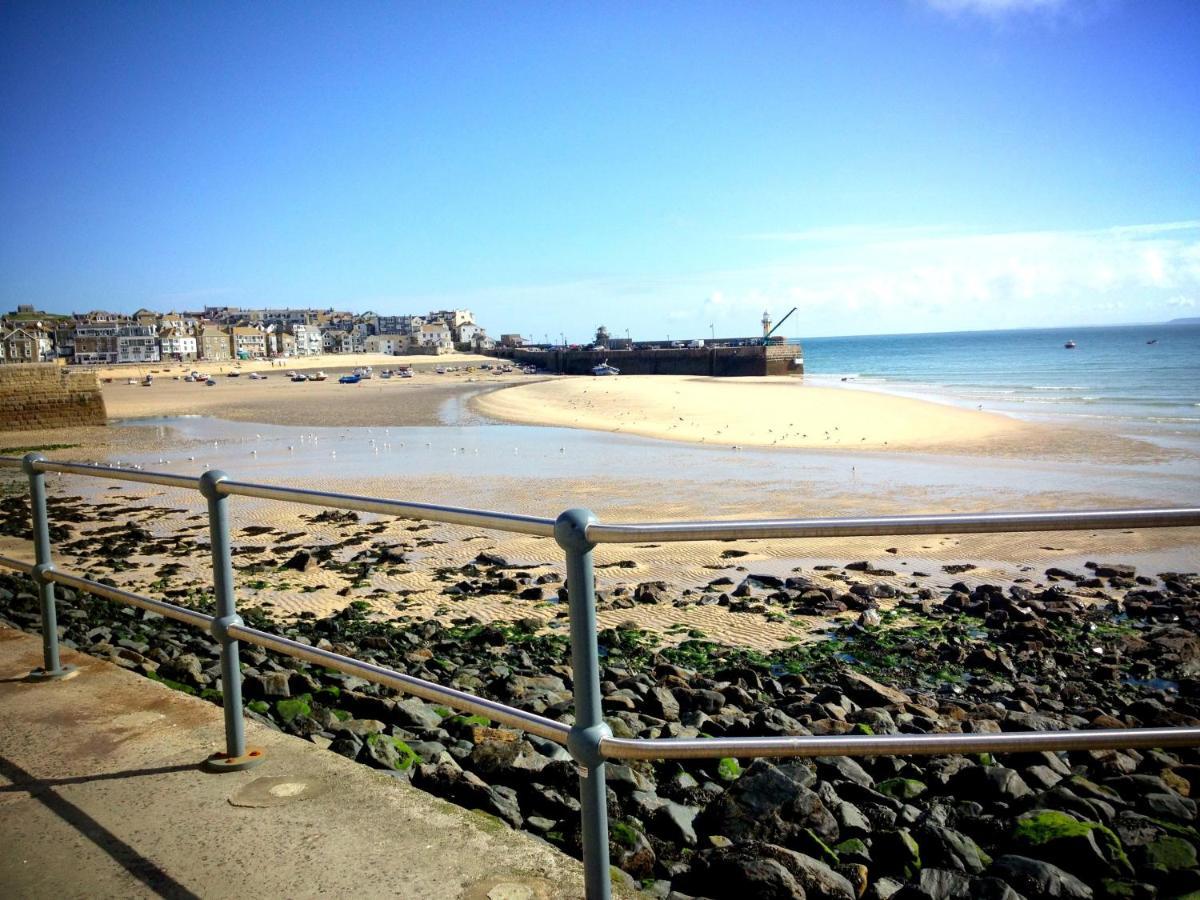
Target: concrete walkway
[{"x": 100, "y": 796}]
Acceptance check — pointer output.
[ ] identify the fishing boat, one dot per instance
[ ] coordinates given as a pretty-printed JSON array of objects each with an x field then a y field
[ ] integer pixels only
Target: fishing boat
[
  {"x": 405, "y": 373},
  {"x": 320, "y": 376},
  {"x": 350, "y": 379},
  {"x": 440, "y": 370},
  {"x": 1152, "y": 341},
  {"x": 299, "y": 378},
  {"x": 605, "y": 369},
  {"x": 257, "y": 376},
  {"x": 1070, "y": 345},
  {"x": 210, "y": 383},
  {"x": 530, "y": 370}
]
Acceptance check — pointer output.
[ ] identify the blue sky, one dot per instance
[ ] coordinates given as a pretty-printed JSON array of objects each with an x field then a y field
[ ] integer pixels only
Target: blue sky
[{"x": 894, "y": 166}]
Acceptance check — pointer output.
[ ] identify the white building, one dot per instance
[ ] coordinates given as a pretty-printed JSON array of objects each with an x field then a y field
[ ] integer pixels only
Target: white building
[
  {"x": 436, "y": 334},
  {"x": 466, "y": 333},
  {"x": 178, "y": 344},
  {"x": 137, "y": 344},
  {"x": 392, "y": 344},
  {"x": 308, "y": 340}
]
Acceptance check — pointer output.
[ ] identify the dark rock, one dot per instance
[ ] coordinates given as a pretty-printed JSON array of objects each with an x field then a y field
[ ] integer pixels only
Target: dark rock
[
  {"x": 772, "y": 803},
  {"x": 1035, "y": 878}
]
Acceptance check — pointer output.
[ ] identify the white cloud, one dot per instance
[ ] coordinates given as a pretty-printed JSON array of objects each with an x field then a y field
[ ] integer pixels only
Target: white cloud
[{"x": 876, "y": 279}]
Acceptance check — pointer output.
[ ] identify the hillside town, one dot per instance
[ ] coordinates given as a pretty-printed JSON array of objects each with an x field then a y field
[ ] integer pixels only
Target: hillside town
[{"x": 230, "y": 333}]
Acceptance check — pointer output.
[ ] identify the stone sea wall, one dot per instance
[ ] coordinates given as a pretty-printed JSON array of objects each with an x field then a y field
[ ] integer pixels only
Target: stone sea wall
[
  {"x": 721, "y": 362},
  {"x": 44, "y": 395}
]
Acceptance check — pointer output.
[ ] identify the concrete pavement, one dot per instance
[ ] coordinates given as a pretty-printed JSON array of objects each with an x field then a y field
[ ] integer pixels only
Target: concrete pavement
[{"x": 100, "y": 796}]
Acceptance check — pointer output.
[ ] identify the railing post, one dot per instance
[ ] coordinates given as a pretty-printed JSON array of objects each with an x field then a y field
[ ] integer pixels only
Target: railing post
[
  {"x": 570, "y": 531},
  {"x": 236, "y": 756},
  {"x": 52, "y": 668}
]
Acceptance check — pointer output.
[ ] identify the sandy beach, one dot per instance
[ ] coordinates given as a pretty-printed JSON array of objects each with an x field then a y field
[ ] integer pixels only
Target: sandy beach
[
  {"x": 277, "y": 400},
  {"x": 807, "y": 451},
  {"x": 789, "y": 414},
  {"x": 764, "y": 412},
  {"x": 330, "y": 361}
]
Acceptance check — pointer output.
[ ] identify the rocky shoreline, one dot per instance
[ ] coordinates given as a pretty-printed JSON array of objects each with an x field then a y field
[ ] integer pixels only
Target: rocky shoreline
[{"x": 985, "y": 659}]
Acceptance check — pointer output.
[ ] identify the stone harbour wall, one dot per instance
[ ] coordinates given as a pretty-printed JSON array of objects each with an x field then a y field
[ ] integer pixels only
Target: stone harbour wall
[
  {"x": 45, "y": 395},
  {"x": 721, "y": 362}
]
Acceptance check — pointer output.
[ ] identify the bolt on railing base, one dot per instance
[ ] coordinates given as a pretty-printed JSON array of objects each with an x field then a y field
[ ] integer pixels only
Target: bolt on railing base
[
  {"x": 222, "y": 762},
  {"x": 39, "y": 674}
]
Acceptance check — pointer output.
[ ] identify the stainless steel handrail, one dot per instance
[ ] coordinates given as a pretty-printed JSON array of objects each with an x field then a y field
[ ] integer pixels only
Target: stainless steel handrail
[
  {"x": 18, "y": 565},
  {"x": 117, "y": 473},
  {"x": 577, "y": 533},
  {"x": 452, "y": 515},
  {"x": 866, "y": 526},
  {"x": 898, "y": 744},
  {"x": 426, "y": 690},
  {"x": 100, "y": 589}
]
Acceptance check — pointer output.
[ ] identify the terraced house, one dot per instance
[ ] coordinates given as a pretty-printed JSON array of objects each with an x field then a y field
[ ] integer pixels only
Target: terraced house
[
  {"x": 25, "y": 344},
  {"x": 138, "y": 343}
]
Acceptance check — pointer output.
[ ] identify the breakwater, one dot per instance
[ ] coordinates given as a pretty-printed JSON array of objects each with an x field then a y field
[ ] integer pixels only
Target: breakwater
[
  {"x": 719, "y": 362},
  {"x": 44, "y": 395}
]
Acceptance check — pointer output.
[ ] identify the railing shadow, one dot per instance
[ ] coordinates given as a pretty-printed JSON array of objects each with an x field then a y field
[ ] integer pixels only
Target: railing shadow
[{"x": 145, "y": 870}]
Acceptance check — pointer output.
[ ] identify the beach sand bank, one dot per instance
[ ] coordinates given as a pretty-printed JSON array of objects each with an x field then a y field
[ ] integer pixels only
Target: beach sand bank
[
  {"x": 787, "y": 413},
  {"x": 761, "y": 412},
  {"x": 277, "y": 400},
  {"x": 330, "y": 361}
]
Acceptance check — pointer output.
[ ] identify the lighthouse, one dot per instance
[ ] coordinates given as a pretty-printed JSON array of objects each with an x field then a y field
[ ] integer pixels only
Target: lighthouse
[{"x": 766, "y": 323}]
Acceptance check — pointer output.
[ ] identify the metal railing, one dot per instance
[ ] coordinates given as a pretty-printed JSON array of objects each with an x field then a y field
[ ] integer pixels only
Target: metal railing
[{"x": 577, "y": 532}]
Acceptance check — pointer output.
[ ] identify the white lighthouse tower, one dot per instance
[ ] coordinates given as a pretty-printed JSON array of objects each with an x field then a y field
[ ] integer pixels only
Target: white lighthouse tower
[{"x": 766, "y": 322}]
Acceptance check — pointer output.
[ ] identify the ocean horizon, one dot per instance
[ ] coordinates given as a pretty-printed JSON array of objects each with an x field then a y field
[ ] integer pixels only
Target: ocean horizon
[{"x": 1141, "y": 380}]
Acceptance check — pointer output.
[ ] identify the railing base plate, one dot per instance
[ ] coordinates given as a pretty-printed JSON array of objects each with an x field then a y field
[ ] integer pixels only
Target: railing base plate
[
  {"x": 221, "y": 762},
  {"x": 39, "y": 675}
]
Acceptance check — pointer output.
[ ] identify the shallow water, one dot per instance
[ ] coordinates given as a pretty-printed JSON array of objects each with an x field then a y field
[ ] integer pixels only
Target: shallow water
[
  {"x": 530, "y": 453},
  {"x": 1114, "y": 378}
]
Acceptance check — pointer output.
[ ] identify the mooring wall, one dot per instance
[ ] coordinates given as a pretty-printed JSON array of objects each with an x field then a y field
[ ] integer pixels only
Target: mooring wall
[
  {"x": 45, "y": 395},
  {"x": 720, "y": 362}
]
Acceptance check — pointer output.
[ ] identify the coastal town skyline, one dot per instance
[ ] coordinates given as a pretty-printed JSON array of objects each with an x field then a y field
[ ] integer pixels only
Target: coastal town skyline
[{"x": 887, "y": 168}]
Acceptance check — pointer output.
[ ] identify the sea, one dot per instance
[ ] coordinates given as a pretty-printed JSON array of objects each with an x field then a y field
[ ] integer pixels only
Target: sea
[{"x": 1138, "y": 380}]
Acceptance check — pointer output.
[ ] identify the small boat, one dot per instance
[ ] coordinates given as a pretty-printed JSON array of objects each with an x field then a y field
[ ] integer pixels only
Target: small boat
[
  {"x": 350, "y": 379},
  {"x": 1153, "y": 341},
  {"x": 530, "y": 370},
  {"x": 148, "y": 381},
  {"x": 440, "y": 370},
  {"x": 405, "y": 373},
  {"x": 363, "y": 372},
  {"x": 132, "y": 381},
  {"x": 233, "y": 375},
  {"x": 210, "y": 383},
  {"x": 605, "y": 369},
  {"x": 299, "y": 378},
  {"x": 386, "y": 373},
  {"x": 1070, "y": 345},
  {"x": 257, "y": 376},
  {"x": 320, "y": 376}
]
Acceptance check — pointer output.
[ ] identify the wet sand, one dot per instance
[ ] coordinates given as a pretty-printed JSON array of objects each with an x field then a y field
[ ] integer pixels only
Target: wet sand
[
  {"x": 623, "y": 479},
  {"x": 277, "y": 400}
]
